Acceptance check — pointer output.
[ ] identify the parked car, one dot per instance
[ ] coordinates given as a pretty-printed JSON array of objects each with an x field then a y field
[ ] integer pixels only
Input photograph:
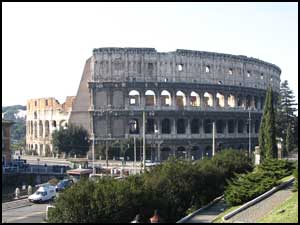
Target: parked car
[
  {"x": 63, "y": 184},
  {"x": 43, "y": 194}
]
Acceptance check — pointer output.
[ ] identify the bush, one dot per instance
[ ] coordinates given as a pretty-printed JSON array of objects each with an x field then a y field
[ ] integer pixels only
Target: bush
[
  {"x": 174, "y": 188},
  {"x": 248, "y": 186},
  {"x": 295, "y": 174}
]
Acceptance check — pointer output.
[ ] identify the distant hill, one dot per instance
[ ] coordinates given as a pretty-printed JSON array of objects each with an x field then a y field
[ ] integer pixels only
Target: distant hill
[{"x": 16, "y": 113}]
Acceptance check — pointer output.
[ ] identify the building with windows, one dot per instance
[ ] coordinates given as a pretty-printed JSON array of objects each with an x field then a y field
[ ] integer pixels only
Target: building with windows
[
  {"x": 182, "y": 94},
  {"x": 6, "y": 150},
  {"x": 44, "y": 115}
]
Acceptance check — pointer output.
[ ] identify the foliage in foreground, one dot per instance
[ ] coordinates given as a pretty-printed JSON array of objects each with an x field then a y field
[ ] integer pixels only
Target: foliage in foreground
[
  {"x": 246, "y": 187},
  {"x": 173, "y": 188}
]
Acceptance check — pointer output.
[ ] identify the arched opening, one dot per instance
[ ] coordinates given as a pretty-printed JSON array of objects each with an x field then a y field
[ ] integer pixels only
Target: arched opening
[
  {"x": 40, "y": 128},
  {"x": 195, "y": 153},
  {"x": 248, "y": 102},
  {"x": 165, "y": 126},
  {"x": 47, "y": 150},
  {"x": 241, "y": 125},
  {"x": 165, "y": 98},
  {"x": 134, "y": 126},
  {"x": 31, "y": 128},
  {"x": 262, "y": 102},
  {"x": 208, "y": 151},
  {"x": 63, "y": 124},
  {"x": 207, "y": 126},
  {"x": 220, "y": 126},
  {"x": 180, "y": 126},
  {"x": 208, "y": 99},
  {"x": 165, "y": 153},
  {"x": 180, "y": 99},
  {"x": 47, "y": 128},
  {"x": 35, "y": 115},
  {"x": 54, "y": 123},
  {"x": 194, "y": 99},
  {"x": 231, "y": 101},
  {"x": 230, "y": 126},
  {"x": 151, "y": 126},
  {"x": 255, "y": 102},
  {"x": 240, "y": 102},
  {"x": 220, "y": 100},
  {"x": 181, "y": 153},
  {"x": 35, "y": 130},
  {"x": 195, "y": 126},
  {"x": 150, "y": 98},
  {"x": 134, "y": 97}
]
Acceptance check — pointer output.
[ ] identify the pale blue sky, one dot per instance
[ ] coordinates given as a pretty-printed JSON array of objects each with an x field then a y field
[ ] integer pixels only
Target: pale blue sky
[{"x": 45, "y": 45}]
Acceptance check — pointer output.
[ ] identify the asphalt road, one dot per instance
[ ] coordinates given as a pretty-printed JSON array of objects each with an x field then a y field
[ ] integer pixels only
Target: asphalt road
[{"x": 30, "y": 213}]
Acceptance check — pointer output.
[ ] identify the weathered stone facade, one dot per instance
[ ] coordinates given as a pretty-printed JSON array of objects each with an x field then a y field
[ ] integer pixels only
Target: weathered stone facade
[
  {"x": 182, "y": 93},
  {"x": 44, "y": 115}
]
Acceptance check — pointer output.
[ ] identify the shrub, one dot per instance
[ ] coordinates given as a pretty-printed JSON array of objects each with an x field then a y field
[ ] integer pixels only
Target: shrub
[{"x": 295, "y": 173}]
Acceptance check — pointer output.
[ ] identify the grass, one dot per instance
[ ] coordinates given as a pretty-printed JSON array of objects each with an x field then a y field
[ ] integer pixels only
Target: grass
[
  {"x": 219, "y": 218},
  {"x": 285, "y": 179},
  {"x": 285, "y": 213}
]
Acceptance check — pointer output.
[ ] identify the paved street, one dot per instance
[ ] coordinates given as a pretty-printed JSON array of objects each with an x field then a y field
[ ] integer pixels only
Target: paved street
[{"x": 25, "y": 213}]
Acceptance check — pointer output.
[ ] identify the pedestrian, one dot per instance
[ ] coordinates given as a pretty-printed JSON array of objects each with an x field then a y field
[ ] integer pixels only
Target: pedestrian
[
  {"x": 136, "y": 219},
  {"x": 155, "y": 218}
]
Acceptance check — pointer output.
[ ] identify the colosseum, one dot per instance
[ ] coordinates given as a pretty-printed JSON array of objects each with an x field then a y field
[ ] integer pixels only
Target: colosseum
[
  {"x": 44, "y": 115},
  {"x": 184, "y": 94}
]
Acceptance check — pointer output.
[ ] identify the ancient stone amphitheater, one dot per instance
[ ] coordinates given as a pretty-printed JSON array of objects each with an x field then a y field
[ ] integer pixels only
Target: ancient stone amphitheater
[{"x": 184, "y": 94}]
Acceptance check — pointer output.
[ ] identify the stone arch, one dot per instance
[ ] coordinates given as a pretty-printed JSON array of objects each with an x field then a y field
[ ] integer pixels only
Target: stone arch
[
  {"x": 134, "y": 97},
  {"x": 35, "y": 129},
  {"x": 180, "y": 99},
  {"x": 220, "y": 126},
  {"x": 151, "y": 126},
  {"x": 150, "y": 98},
  {"x": 181, "y": 152},
  {"x": 47, "y": 128},
  {"x": 165, "y": 97},
  {"x": 41, "y": 150},
  {"x": 208, "y": 99},
  {"x": 180, "y": 125},
  {"x": 231, "y": 101},
  {"x": 47, "y": 150},
  {"x": 241, "y": 126},
  {"x": 63, "y": 124},
  {"x": 196, "y": 152},
  {"x": 31, "y": 128},
  {"x": 208, "y": 151},
  {"x": 220, "y": 100},
  {"x": 165, "y": 152},
  {"x": 231, "y": 125},
  {"x": 40, "y": 128},
  {"x": 208, "y": 126},
  {"x": 240, "y": 101},
  {"x": 195, "y": 126},
  {"x": 248, "y": 102},
  {"x": 134, "y": 126},
  {"x": 194, "y": 99},
  {"x": 255, "y": 102},
  {"x": 165, "y": 126}
]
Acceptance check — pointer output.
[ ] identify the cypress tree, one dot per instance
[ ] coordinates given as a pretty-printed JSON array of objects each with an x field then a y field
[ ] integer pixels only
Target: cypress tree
[{"x": 267, "y": 130}]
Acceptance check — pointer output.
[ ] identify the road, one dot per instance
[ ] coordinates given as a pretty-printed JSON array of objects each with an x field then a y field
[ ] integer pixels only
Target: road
[{"x": 23, "y": 211}]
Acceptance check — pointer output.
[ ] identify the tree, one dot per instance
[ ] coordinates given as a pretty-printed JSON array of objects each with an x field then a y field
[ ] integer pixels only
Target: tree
[
  {"x": 288, "y": 141},
  {"x": 285, "y": 112},
  {"x": 267, "y": 130},
  {"x": 73, "y": 140}
]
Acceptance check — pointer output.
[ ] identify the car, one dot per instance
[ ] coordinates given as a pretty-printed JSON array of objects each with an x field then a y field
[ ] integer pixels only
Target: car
[
  {"x": 63, "y": 184},
  {"x": 43, "y": 193}
]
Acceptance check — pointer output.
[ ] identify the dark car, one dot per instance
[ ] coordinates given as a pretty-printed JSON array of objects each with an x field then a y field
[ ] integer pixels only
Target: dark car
[{"x": 63, "y": 184}]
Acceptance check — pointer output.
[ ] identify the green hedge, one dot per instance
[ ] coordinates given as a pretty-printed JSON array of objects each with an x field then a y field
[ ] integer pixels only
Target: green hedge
[
  {"x": 173, "y": 188},
  {"x": 246, "y": 187}
]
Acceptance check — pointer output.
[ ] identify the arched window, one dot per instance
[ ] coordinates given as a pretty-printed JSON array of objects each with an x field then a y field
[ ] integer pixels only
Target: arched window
[
  {"x": 134, "y": 97},
  {"x": 150, "y": 98},
  {"x": 248, "y": 101},
  {"x": 180, "y": 99},
  {"x": 134, "y": 126},
  {"x": 241, "y": 125},
  {"x": 207, "y": 126},
  {"x": 180, "y": 126},
  {"x": 40, "y": 128},
  {"x": 195, "y": 126},
  {"x": 35, "y": 129},
  {"x": 165, "y": 126},
  {"x": 194, "y": 99},
  {"x": 230, "y": 126},
  {"x": 150, "y": 126},
  {"x": 231, "y": 100},
  {"x": 165, "y": 98},
  {"x": 240, "y": 102},
  {"x": 208, "y": 99},
  {"x": 220, "y": 100},
  {"x": 256, "y": 125},
  {"x": 220, "y": 126},
  {"x": 47, "y": 128}
]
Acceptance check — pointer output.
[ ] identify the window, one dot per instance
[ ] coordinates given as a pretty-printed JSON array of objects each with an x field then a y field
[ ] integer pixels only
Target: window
[
  {"x": 180, "y": 67},
  {"x": 46, "y": 102},
  {"x": 230, "y": 71},
  {"x": 35, "y": 103},
  {"x": 134, "y": 97},
  {"x": 207, "y": 69},
  {"x": 248, "y": 73},
  {"x": 261, "y": 76}
]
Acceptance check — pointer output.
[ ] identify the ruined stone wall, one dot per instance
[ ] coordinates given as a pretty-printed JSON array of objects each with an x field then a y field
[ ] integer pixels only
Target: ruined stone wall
[{"x": 44, "y": 115}]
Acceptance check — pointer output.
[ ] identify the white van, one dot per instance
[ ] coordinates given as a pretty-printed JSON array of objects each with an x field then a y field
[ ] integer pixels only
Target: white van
[{"x": 44, "y": 193}]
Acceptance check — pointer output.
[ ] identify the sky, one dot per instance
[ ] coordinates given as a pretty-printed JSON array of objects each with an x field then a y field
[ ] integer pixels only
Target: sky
[{"x": 45, "y": 45}]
